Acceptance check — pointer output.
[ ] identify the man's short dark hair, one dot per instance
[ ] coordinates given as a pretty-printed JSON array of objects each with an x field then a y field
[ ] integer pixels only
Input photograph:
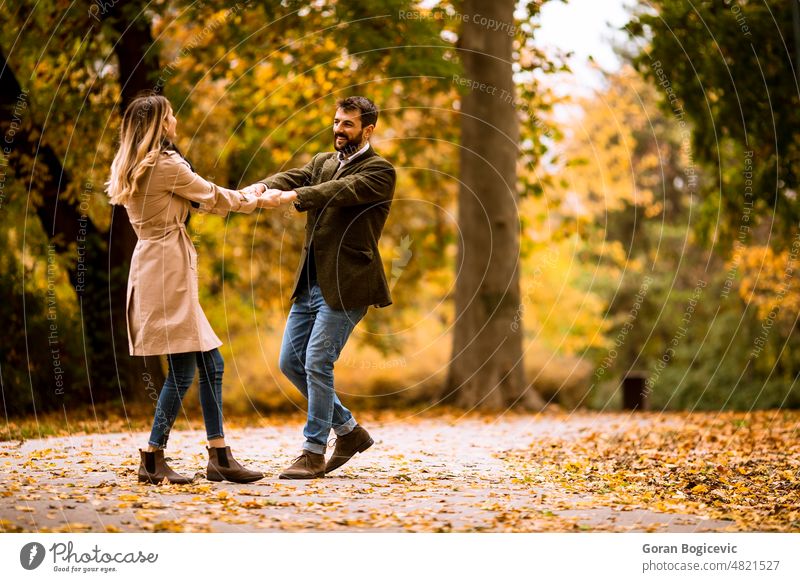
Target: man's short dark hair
[{"x": 366, "y": 108}]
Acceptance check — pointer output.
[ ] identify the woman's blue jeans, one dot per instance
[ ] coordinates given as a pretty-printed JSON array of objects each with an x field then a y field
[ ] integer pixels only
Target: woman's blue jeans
[{"x": 182, "y": 368}]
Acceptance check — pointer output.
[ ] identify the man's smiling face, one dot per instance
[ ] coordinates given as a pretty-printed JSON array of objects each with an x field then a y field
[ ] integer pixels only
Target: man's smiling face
[{"x": 348, "y": 135}]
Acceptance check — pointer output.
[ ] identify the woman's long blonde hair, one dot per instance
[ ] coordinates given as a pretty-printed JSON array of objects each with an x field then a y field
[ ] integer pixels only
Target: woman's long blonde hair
[{"x": 142, "y": 138}]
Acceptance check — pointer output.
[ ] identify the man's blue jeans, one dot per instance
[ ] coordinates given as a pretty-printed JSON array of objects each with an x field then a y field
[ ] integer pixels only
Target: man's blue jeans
[{"x": 312, "y": 341}]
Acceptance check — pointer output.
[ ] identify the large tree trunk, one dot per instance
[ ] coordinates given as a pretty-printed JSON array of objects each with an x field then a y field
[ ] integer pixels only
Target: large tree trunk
[
  {"x": 486, "y": 368},
  {"x": 137, "y": 59},
  {"x": 100, "y": 274}
]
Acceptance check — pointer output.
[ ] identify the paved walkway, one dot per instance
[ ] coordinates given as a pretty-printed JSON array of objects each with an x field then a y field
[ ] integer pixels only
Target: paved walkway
[{"x": 423, "y": 474}]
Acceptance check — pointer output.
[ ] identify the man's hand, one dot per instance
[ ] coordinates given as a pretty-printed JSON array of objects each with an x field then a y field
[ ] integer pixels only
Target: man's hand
[
  {"x": 269, "y": 199},
  {"x": 289, "y": 196}
]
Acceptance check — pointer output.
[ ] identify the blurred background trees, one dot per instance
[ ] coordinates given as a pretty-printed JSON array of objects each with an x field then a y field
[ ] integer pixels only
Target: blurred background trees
[{"x": 637, "y": 248}]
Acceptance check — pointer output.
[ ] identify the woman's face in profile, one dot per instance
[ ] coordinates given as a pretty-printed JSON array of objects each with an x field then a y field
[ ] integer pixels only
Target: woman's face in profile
[{"x": 171, "y": 125}]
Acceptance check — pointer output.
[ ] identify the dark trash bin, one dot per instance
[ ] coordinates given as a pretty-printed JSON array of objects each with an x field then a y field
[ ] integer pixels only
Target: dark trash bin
[{"x": 634, "y": 391}]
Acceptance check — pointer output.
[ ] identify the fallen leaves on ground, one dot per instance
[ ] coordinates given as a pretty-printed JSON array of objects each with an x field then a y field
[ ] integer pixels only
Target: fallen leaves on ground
[
  {"x": 731, "y": 466},
  {"x": 434, "y": 473}
]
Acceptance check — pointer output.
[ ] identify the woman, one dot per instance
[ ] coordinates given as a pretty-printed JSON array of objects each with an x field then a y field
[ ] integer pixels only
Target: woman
[{"x": 158, "y": 187}]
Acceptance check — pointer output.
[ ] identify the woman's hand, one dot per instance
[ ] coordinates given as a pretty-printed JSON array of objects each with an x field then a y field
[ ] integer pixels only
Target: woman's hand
[{"x": 256, "y": 189}]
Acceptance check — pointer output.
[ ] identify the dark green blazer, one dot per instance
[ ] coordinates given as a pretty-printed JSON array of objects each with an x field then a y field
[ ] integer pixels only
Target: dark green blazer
[{"x": 347, "y": 210}]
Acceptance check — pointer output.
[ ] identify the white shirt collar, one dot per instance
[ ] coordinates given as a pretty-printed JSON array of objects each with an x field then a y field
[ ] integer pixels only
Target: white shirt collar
[{"x": 346, "y": 160}]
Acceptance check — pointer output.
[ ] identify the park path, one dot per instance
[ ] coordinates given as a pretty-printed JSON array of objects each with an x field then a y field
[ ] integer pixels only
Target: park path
[{"x": 424, "y": 474}]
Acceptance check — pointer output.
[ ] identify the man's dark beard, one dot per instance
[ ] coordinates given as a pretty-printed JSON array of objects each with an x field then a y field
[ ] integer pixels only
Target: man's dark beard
[{"x": 351, "y": 146}]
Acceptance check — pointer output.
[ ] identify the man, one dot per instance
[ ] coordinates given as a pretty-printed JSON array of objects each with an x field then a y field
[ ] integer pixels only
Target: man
[{"x": 346, "y": 195}]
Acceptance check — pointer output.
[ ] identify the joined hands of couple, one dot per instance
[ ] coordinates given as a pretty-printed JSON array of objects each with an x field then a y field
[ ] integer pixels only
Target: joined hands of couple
[{"x": 270, "y": 197}]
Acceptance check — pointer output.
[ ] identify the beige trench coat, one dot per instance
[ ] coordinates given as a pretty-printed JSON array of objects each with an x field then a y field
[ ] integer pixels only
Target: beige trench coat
[{"x": 163, "y": 309}]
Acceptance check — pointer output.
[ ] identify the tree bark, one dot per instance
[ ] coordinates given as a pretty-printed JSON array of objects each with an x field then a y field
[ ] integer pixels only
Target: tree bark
[{"x": 486, "y": 368}]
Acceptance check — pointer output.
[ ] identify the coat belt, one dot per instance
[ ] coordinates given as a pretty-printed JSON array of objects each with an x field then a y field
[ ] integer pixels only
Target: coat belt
[{"x": 169, "y": 229}]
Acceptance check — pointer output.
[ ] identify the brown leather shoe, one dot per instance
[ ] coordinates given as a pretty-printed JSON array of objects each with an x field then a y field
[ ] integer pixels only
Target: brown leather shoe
[
  {"x": 307, "y": 466},
  {"x": 223, "y": 467},
  {"x": 154, "y": 469},
  {"x": 356, "y": 441}
]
